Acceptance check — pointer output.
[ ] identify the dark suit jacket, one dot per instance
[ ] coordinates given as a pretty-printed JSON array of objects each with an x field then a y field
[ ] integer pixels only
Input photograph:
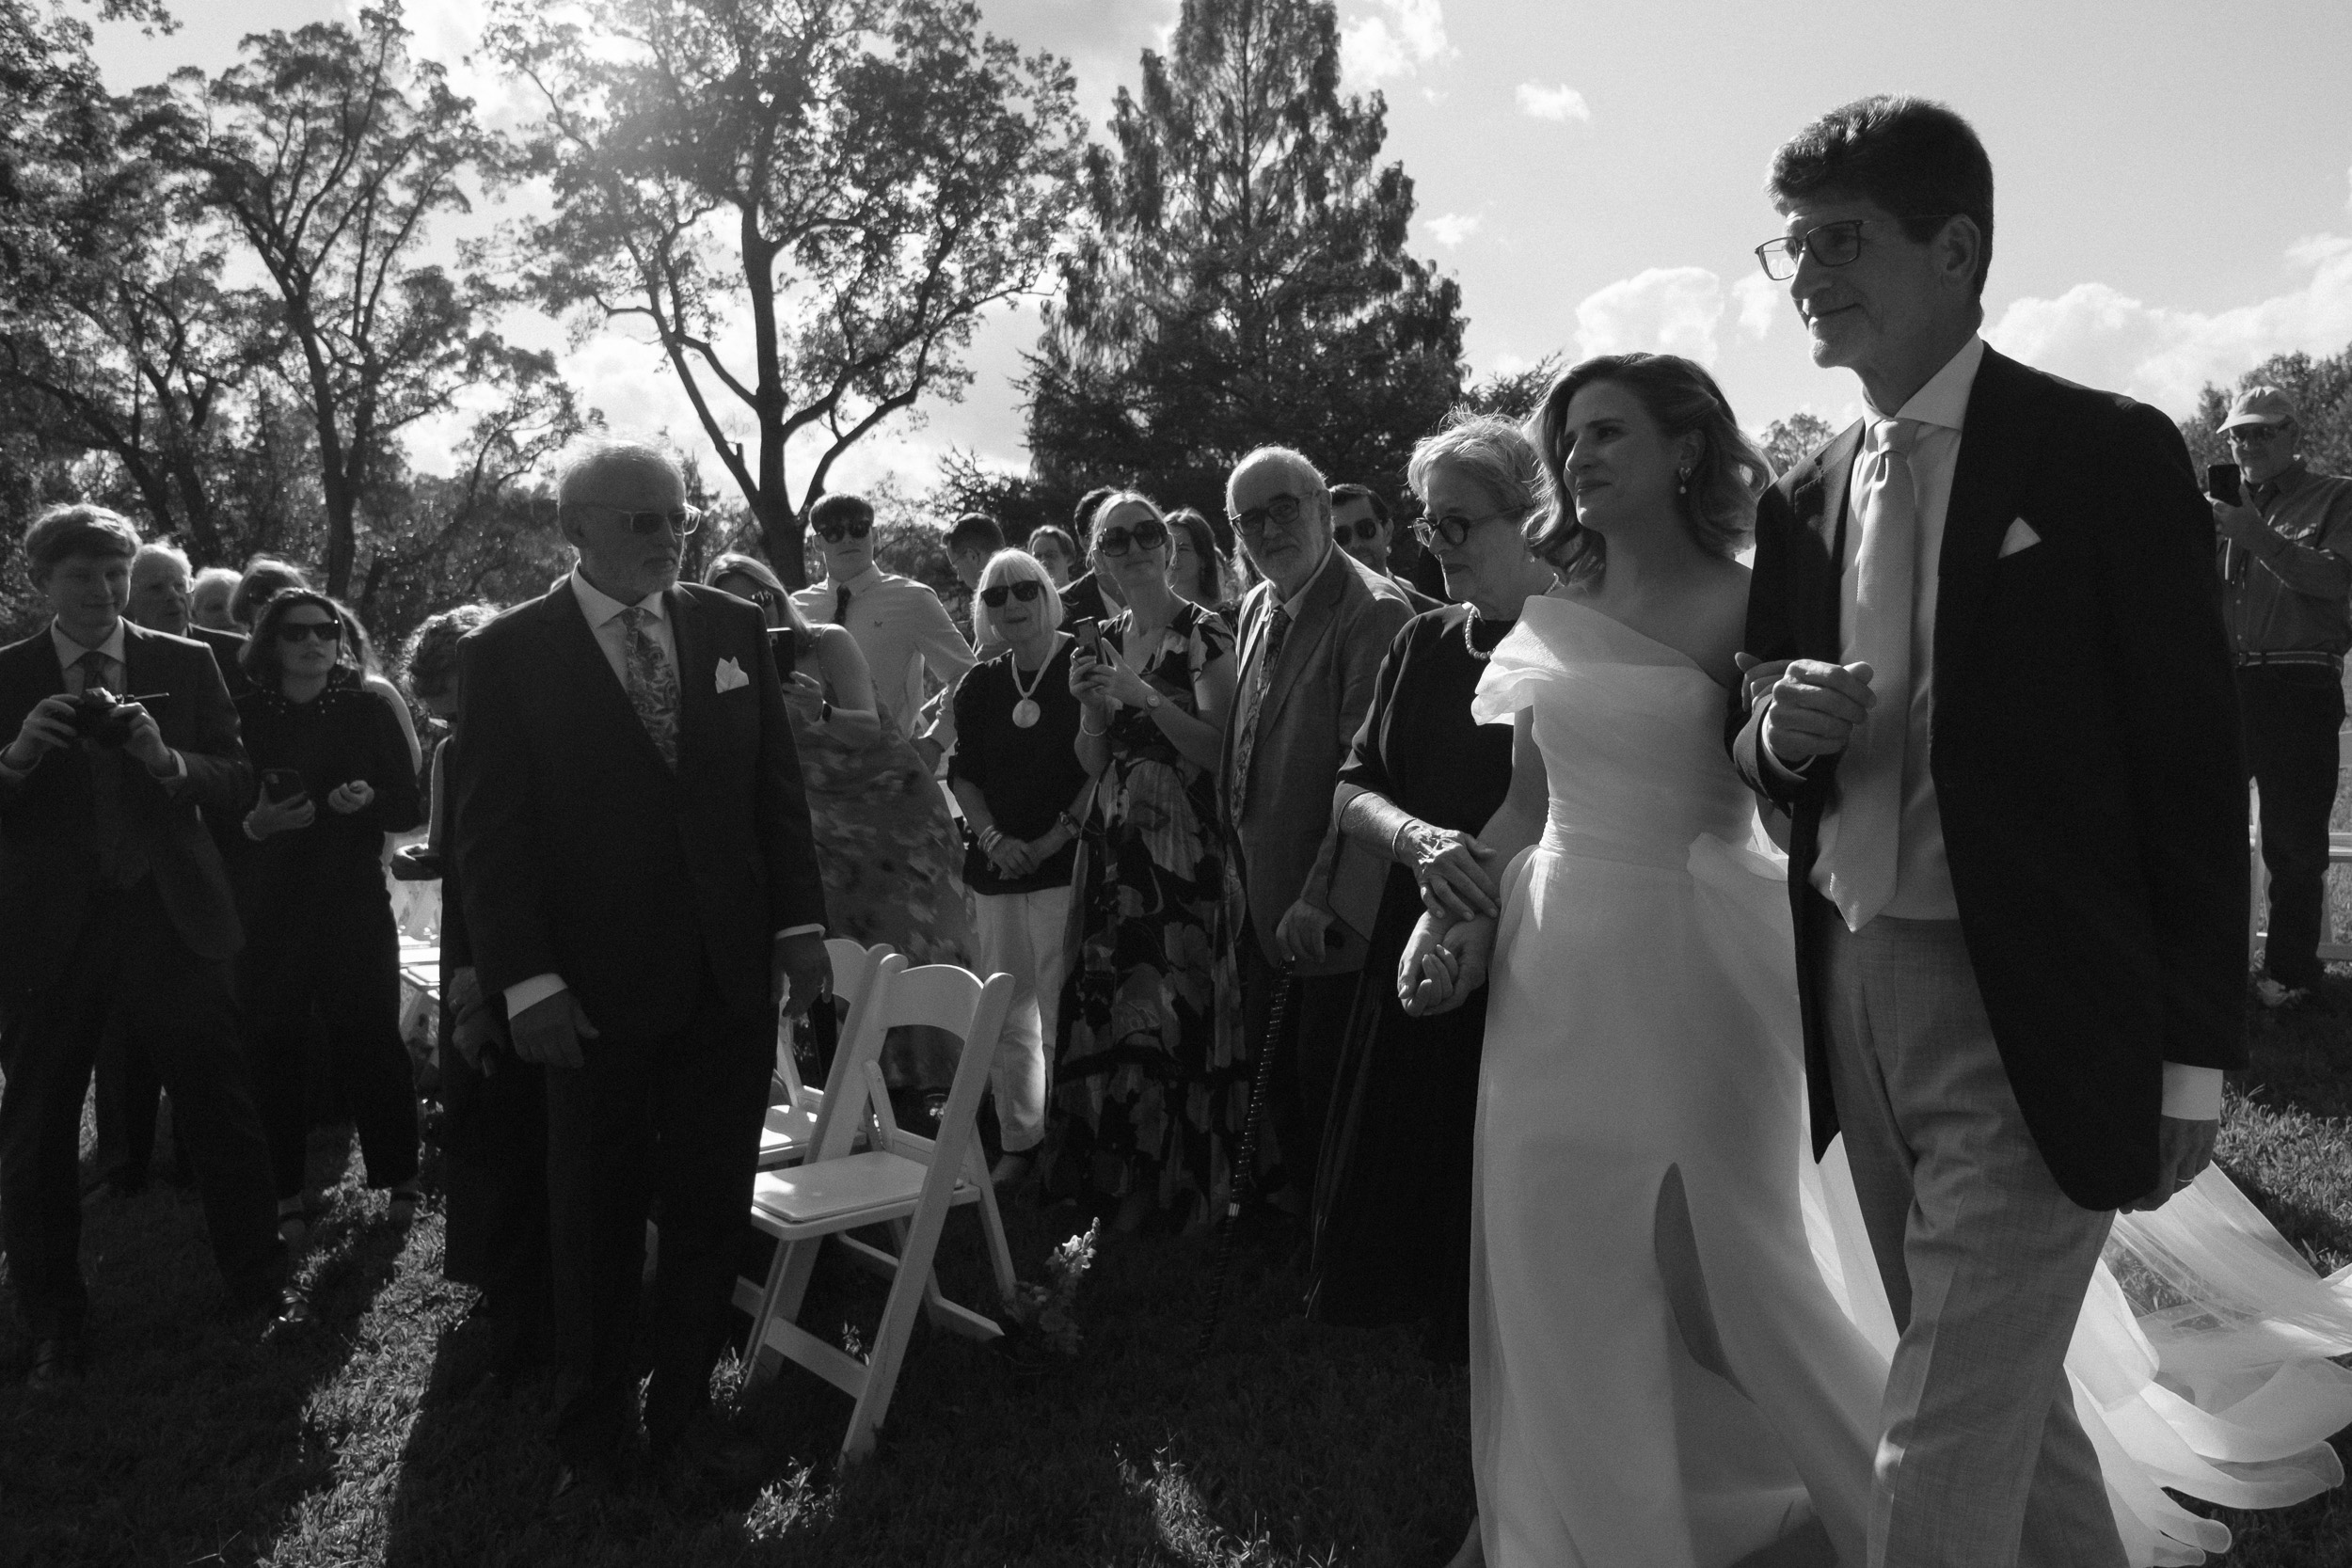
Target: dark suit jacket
[
  {"x": 48, "y": 854},
  {"x": 226, "y": 646},
  {"x": 581, "y": 854},
  {"x": 2085, "y": 749},
  {"x": 1321, "y": 689}
]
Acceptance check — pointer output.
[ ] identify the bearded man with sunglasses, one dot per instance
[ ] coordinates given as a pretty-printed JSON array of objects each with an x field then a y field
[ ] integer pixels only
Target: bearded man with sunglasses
[
  {"x": 642, "y": 891},
  {"x": 1311, "y": 638},
  {"x": 2286, "y": 573},
  {"x": 899, "y": 625}
]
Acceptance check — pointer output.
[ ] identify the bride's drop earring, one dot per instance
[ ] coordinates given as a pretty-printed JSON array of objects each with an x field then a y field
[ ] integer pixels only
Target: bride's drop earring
[{"x": 1682, "y": 481}]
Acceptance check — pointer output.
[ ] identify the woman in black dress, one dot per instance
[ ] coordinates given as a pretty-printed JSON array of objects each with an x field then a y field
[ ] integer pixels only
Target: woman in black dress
[
  {"x": 1392, "y": 1194},
  {"x": 336, "y": 777}
]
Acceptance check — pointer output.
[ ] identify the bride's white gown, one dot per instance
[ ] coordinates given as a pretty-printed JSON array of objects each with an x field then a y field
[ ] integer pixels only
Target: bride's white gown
[{"x": 1678, "y": 1334}]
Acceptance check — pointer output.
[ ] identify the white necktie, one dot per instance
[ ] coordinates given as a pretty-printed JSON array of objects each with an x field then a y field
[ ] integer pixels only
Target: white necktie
[{"x": 1865, "y": 857}]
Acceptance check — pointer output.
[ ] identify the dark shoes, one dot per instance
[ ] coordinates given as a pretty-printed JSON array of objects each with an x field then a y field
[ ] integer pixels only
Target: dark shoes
[
  {"x": 707, "y": 1458},
  {"x": 56, "y": 1363}
]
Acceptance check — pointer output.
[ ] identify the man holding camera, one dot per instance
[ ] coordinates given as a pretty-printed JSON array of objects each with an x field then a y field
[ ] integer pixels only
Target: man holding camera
[
  {"x": 115, "y": 913},
  {"x": 2286, "y": 572}
]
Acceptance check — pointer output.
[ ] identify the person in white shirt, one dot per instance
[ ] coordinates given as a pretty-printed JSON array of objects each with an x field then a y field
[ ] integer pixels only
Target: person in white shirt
[{"x": 899, "y": 625}]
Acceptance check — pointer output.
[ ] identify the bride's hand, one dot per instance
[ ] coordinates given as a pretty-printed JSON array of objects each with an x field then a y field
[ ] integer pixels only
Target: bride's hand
[
  {"x": 1472, "y": 944},
  {"x": 1424, "y": 974}
]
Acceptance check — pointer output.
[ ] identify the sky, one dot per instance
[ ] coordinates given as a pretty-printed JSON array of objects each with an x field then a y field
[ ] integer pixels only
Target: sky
[{"x": 2173, "y": 182}]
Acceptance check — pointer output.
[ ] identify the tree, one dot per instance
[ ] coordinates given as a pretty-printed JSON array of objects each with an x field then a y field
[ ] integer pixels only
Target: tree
[
  {"x": 1240, "y": 275},
  {"x": 2322, "y": 393},
  {"x": 1515, "y": 394},
  {"x": 328, "y": 151},
  {"x": 1789, "y": 442},
  {"x": 861, "y": 177}
]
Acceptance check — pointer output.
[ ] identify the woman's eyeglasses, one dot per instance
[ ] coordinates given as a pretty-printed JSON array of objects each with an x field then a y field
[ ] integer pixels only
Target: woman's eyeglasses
[
  {"x": 296, "y": 631},
  {"x": 1363, "y": 531},
  {"x": 1453, "y": 528},
  {"x": 833, "y": 533},
  {"x": 681, "y": 520},
  {"x": 1028, "y": 590},
  {"x": 1148, "y": 534}
]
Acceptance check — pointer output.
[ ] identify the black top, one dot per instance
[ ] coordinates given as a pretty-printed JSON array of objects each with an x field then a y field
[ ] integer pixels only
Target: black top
[
  {"x": 1028, "y": 777},
  {"x": 1418, "y": 746},
  {"x": 346, "y": 733},
  {"x": 1083, "y": 601}
]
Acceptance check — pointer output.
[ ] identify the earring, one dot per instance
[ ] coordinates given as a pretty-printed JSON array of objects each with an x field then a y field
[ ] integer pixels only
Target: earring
[{"x": 1682, "y": 485}]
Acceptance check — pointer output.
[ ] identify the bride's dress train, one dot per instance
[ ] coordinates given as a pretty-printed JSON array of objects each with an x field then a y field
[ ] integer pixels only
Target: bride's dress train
[{"x": 1678, "y": 1334}]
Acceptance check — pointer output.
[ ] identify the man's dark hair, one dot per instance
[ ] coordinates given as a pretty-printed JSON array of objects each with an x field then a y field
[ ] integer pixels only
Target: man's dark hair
[
  {"x": 1082, "y": 519},
  {"x": 1912, "y": 156},
  {"x": 63, "y": 532},
  {"x": 1342, "y": 494},
  {"x": 266, "y": 577},
  {"x": 843, "y": 507},
  {"x": 976, "y": 528}
]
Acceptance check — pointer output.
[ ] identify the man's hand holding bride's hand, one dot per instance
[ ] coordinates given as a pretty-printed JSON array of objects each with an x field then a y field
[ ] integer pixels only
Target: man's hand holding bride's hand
[
  {"x": 1450, "y": 867},
  {"x": 1814, "y": 708},
  {"x": 1445, "y": 962}
]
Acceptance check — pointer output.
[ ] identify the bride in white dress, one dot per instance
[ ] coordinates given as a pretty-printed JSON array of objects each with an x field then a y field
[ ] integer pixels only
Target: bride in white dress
[{"x": 1679, "y": 1339}]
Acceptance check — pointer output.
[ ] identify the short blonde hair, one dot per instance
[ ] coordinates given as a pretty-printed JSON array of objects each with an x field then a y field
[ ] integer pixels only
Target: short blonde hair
[{"x": 1005, "y": 568}]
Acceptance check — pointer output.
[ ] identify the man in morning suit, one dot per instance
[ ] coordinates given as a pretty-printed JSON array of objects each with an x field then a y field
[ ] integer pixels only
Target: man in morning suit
[
  {"x": 1996, "y": 703},
  {"x": 638, "y": 880},
  {"x": 1311, "y": 638},
  {"x": 116, "y": 916}
]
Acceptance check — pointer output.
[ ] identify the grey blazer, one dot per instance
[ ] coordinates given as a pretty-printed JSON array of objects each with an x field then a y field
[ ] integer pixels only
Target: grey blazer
[{"x": 1320, "y": 690}]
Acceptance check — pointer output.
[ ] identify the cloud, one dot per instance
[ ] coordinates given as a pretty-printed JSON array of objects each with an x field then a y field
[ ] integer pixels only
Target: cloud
[
  {"x": 2099, "y": 336},
  {"x": 1562, "y": 102},
  {"x": 1395, "y": 40},
  {"x": 1450, "y": 229},
  {"x": 1665, "y": 310},
  {"x": 1759, "y": 300}
]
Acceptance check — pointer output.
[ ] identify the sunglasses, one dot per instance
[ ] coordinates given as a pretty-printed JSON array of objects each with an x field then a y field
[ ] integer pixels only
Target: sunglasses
[
  {"x": 1452, "y": 529},
  {"x": 1831, "y": 245},
  {"x": 295, "y": 631},
  {"x": 1280, "y": 512},
  {"x": 1148, "y": 534},
  {"x": 1363, "y": 531},
  {"x": 2253, "y": 435},
  {"x": 681, "y": 520},
  {"x": 1028, "y": 591},
  {"x": 833, "y": 533}
]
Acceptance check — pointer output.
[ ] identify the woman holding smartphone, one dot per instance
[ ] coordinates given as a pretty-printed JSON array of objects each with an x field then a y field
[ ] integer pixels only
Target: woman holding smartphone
[
  {"x": 1146, "y": 1107},
  {"x": 319, "y": 934}
]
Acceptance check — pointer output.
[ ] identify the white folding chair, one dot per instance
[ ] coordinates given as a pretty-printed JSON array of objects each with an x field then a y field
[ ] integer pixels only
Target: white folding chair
[
  {"x": 790, "y": 1130},
  {"x": 904, "y": 1182}
]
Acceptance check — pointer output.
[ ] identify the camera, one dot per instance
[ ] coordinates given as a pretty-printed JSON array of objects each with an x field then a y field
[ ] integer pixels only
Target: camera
[{"x": 101, "y": 717}]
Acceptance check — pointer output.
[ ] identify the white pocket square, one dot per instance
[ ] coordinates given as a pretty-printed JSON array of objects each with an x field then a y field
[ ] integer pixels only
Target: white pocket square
[
  {"x": 2020, "y": 536},
  {"x": 731, "y": 675}
]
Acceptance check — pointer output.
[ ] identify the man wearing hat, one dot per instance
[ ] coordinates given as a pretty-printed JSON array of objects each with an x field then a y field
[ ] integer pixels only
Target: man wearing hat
[{"x": 2286, "y": 569}]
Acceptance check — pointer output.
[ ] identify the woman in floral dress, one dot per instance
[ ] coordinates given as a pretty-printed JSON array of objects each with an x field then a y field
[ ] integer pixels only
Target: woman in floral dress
[{"x": 1146, "y": 1107}]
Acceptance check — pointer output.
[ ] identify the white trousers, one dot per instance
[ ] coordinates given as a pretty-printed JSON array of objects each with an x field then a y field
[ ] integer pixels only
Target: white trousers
[{"x": 1021, "y": 934}]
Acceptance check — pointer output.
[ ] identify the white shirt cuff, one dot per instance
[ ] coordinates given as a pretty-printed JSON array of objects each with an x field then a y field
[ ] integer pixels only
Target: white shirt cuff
[
  {"x": 2192, "y": 1092},
  {"x": 800, "y": 931},
  {"x": 527, "y": 993}
]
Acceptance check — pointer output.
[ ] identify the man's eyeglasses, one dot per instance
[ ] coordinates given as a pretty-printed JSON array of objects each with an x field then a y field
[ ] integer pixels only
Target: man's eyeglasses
[
  {"x": 2253, "y": 435},
  {"x": 681, "y": 520},
  {"x": 1363, "y": 531},
  {"x": 1281, "y": 511},
  {"x": 1832, "y": 245},
  {"x": 1452, "y": 528},
  {"x": 1028, "y": 591},
  {"x": 857, "y": 527},
  {"x": 296, "y": 631},
  {"x": 1148, "y": 534}
]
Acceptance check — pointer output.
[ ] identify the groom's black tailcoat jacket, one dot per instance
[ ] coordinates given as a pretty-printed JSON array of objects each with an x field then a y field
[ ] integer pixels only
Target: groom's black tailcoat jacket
[
  {"x": 2085, "y": 749},
  {"x": 580, "y": 853}
]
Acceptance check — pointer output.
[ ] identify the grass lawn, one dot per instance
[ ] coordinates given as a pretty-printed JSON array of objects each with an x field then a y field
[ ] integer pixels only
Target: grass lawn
[{"x": 1287, "y": 1445}]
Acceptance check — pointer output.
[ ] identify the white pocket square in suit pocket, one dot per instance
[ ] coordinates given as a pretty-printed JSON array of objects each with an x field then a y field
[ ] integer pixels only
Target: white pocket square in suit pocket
[
  {"x": 2020, "y": 536},
  {"x": 731, "y": 675}
]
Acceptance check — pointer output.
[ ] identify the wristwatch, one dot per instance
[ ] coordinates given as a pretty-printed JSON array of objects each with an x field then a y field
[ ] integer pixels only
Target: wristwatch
[{"x": 1152, "y": 701}]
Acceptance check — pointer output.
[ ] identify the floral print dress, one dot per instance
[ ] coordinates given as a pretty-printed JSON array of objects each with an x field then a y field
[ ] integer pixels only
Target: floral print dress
[{"x": 1142, "y": 1100}]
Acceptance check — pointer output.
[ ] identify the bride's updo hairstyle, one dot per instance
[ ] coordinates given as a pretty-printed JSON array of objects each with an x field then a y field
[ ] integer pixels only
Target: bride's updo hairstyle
[{"x": 1718, "y": 502}]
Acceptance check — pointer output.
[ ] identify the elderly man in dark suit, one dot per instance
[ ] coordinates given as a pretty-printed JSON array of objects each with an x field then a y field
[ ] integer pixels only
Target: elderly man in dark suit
[
  {"x": 638, "y": 883},
  {"x": 1997, "y": 702},
  {"x": 116, "y": 915},
  {"x": 1311, "y": 636}
]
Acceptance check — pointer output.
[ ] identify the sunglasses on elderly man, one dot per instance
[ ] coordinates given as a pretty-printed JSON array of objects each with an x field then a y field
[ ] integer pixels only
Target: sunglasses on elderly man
[
  {"x": 857, "y": 527},
  {"x": 1148, "y": 534},
  {"x": 295, "y": 631},
  {"x": 1028, "y": 591},
  {"x": 1363, "y": 531},
  {"x": 681, "y": 520}
]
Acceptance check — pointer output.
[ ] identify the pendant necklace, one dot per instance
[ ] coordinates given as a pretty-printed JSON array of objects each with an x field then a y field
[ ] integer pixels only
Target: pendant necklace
[{"x": 1026, "y": 712}]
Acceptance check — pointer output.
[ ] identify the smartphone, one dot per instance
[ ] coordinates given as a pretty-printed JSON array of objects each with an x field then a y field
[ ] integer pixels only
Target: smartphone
[
  {"x": 280, "y": 783},
  {"x": 2221, "y": 484},
  {"x": 1090, "y": 635}
]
